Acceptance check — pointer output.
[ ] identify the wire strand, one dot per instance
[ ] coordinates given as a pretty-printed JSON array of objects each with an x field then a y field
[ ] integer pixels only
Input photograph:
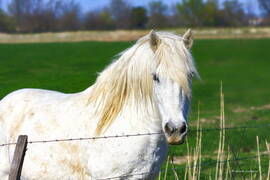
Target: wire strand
[
  {"x": 86, "y": 138},
  {"x": 134, "y": 135}
]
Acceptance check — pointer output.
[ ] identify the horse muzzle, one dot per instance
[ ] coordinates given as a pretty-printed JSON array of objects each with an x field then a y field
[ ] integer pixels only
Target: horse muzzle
[{"x": 175, "y": 136}]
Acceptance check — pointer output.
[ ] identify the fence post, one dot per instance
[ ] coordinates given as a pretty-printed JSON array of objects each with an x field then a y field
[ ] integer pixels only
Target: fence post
[{"x": 18, "y": 157}]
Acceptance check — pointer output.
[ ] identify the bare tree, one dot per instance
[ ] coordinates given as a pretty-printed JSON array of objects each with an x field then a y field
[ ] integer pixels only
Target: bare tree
[
  {"x": 157, "y": 15},
  {"x": 16, "y": 9},
  {"x": 121, "y": 12},
  {"x": 44, "y": 15},
  {"x": 70, "y": 17},
  {"x": 233, "y": 13},
  {"x": 265, "y": 6},
  {"x": 27, "y": 14}
]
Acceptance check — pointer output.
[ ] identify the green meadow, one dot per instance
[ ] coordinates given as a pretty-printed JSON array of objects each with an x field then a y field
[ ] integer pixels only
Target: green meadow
[{"x": 241, "y": 65}]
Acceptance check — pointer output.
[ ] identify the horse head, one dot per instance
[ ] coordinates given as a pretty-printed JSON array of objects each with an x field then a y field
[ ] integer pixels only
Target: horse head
[{"x": 172, "y": 76}]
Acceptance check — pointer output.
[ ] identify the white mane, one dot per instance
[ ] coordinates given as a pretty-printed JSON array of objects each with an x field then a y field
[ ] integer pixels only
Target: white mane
[{"x": 128, "y": 79}]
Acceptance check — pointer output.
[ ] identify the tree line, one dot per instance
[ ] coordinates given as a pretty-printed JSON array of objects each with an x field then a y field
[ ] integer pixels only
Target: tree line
[{"x": 31, "y": 16}]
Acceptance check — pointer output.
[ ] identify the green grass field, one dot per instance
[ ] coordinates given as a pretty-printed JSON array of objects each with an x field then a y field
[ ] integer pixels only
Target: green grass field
[{"x": 241, "y": 65}]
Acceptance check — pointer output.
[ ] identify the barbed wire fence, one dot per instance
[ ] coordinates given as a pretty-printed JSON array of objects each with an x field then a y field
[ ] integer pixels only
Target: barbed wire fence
[
  {"x": 134, "y": 135},
  {"x": 204, "y": 164}
]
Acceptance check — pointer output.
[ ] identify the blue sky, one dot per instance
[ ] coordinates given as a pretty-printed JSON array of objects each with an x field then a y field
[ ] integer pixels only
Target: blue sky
[{"x": 97, "y": 4}]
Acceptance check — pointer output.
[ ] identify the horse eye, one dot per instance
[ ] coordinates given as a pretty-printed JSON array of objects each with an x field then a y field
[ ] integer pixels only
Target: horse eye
[{"x": 155, "y": 78}]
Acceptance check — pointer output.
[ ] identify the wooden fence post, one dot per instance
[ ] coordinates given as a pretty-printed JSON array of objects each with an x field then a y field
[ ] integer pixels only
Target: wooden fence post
[{"x": 18, "y": 157}]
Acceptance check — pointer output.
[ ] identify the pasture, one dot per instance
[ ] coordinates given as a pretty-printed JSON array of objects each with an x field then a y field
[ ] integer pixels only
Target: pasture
[{"x": 242, "y": 65}]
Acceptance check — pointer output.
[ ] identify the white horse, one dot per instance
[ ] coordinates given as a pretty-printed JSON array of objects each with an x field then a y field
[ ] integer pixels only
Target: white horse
[{"x": 146, "y": 90}]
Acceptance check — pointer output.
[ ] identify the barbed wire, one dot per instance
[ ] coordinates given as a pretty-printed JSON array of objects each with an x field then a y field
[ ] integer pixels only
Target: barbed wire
[
  {"x": 84, "y": 139},
  {"x": 231, "y": 128},
  {"x": 134, "y": 135}
]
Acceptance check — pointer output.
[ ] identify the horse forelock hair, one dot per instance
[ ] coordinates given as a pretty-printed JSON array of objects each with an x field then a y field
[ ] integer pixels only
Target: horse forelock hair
[
  {"x": 175, "y": 61},
  {"x": 128, "y": 79}
]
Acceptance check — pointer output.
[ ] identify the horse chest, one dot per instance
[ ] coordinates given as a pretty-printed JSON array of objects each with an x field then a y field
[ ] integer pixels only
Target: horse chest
[{"x": 127, "y": 156}]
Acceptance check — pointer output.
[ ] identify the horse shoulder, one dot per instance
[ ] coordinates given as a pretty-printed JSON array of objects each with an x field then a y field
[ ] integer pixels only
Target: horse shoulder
[{"x": 22, "y": 108}]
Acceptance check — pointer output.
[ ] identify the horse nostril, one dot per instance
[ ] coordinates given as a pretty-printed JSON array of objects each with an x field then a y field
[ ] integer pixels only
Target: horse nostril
[
  {"x": 168, "y": 129},
  {"x": 183, "y": 128}
]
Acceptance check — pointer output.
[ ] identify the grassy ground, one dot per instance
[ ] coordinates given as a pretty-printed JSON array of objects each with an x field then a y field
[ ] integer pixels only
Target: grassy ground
[{"x": 242, "y": 66}]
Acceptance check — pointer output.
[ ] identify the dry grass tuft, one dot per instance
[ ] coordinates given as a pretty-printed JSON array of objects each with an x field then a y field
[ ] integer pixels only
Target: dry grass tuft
[{"x": 131, "y": 35}]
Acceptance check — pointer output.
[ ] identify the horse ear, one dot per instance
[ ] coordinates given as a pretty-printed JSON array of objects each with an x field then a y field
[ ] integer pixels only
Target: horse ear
[
  {"x": 154, "y": 40},
  {"x": 188, "y": 39}
]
